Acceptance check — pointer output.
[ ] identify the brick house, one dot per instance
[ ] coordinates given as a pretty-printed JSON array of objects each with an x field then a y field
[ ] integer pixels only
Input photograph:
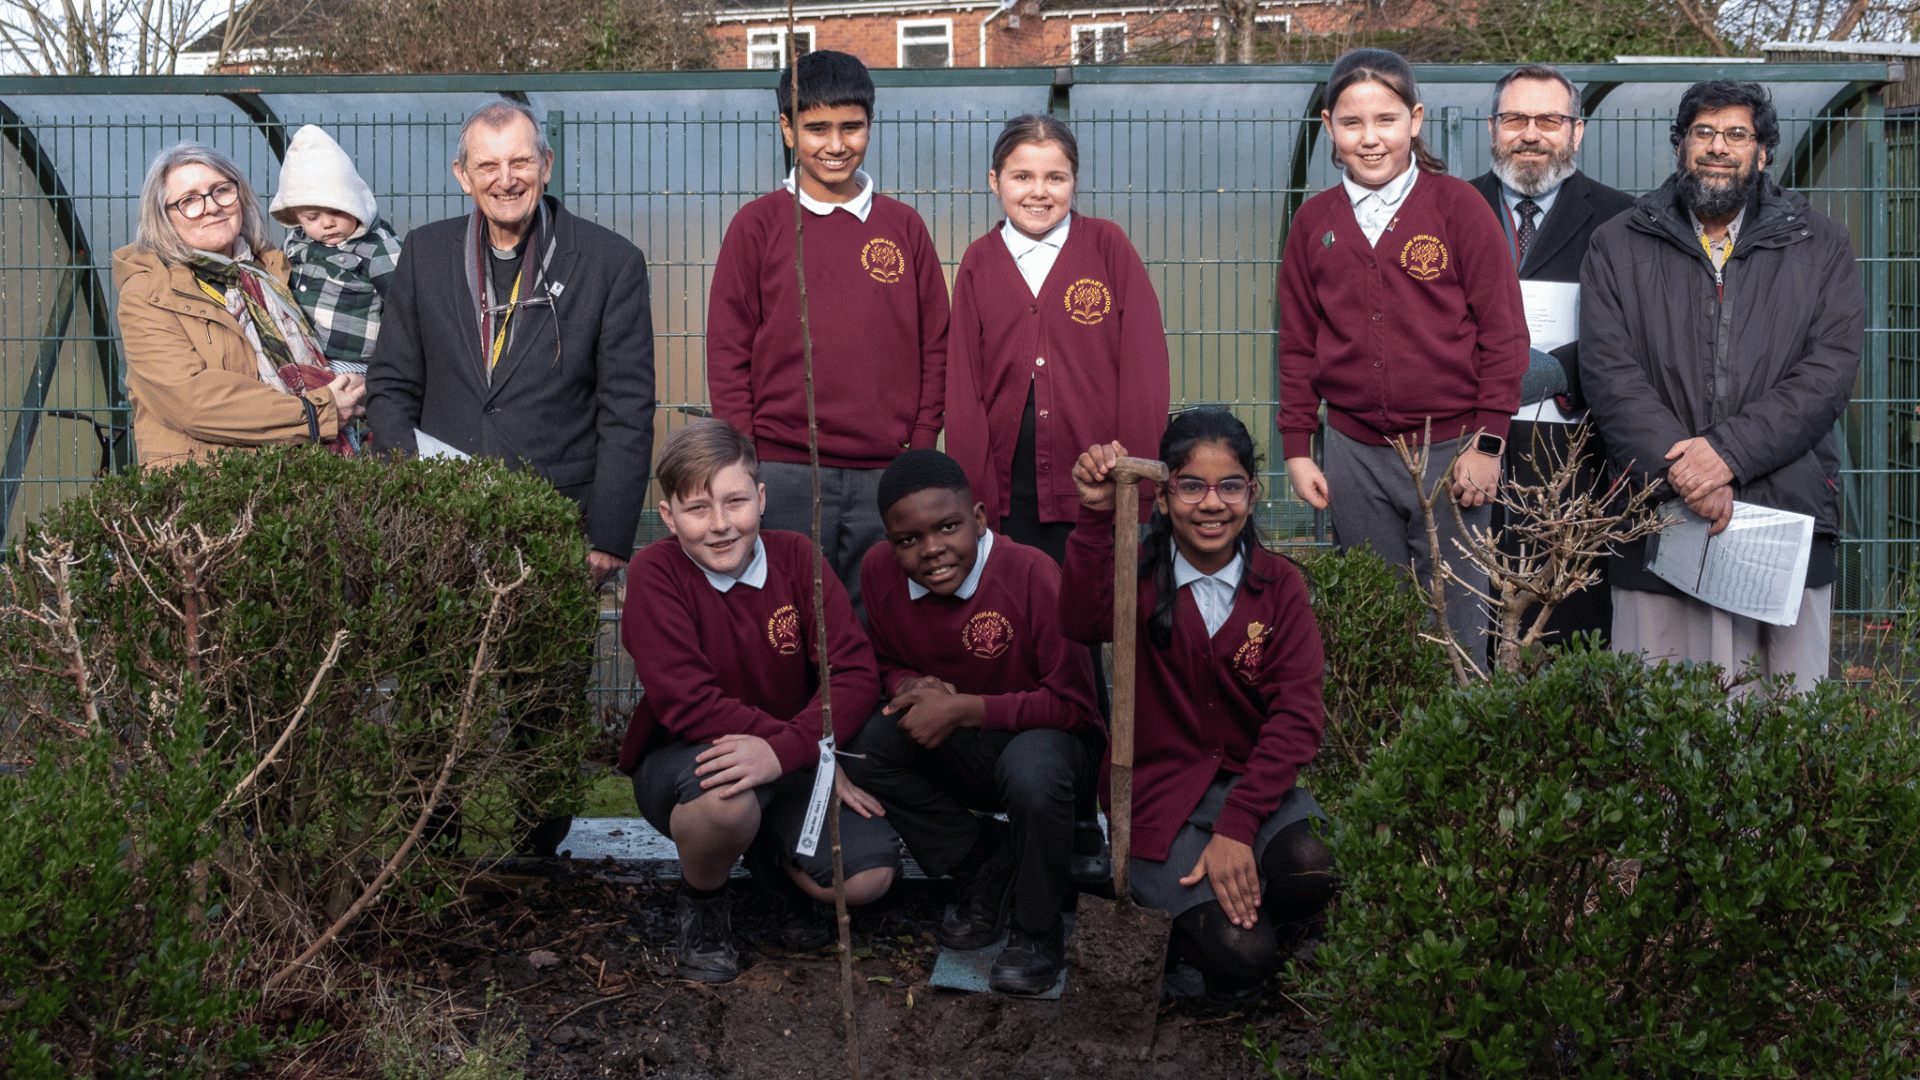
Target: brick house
[{"x": 1002, "y": 33}]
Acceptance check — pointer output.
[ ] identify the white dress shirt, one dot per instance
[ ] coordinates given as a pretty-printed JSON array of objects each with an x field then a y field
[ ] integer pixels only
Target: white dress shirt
[{"x": 1374, "y": 210}]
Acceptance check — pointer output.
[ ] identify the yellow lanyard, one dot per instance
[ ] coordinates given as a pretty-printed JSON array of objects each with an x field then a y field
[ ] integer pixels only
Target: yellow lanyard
[
  {"x": 218, "y": 296},
  {"x": 500, "y": 335}
]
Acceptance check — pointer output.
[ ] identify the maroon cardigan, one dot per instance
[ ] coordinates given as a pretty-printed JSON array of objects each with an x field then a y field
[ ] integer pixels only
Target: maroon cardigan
[
  {"x": 742, "y": 661},
  {"x": 1428, "y": 323},
  {"x": 1097, "y": 325},
  {"x": 877, "y": 308},
  {"x": 1245, "y": 701},
  {"x": 1003, "y": 642}
]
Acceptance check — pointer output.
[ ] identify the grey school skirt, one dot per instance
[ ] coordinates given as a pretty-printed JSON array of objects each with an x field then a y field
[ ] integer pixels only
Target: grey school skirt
[{"x": 1156, "y": 883}]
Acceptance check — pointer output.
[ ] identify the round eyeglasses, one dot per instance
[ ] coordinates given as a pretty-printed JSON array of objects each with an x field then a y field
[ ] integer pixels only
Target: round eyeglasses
[
  {"x": 224, "y": 193},
  {"x": 1231, "y": 492}
]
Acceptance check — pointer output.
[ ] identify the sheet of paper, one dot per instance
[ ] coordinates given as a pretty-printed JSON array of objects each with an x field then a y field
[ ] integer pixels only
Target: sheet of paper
[
  {"x": 1757, "y": 567},
  {"x": 1553, "y": 312},
  {"x": 432, "y": 447}
]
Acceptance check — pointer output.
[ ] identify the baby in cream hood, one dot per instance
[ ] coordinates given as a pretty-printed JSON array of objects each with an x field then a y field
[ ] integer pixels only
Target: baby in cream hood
[{"x": 341, "y": 254}]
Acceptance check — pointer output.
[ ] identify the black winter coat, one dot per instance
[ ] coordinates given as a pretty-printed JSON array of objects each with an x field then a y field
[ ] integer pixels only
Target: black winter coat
[
  {"x": 579, "y": 412},
  {"x": 1759, "y": 359}
]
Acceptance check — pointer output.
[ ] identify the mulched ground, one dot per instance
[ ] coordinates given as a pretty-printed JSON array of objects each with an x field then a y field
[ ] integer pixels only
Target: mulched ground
[{"x": 584, "y": 953}]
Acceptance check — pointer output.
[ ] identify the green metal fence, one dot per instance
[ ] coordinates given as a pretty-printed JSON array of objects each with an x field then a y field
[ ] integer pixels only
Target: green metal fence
[{"x": 1201, "y": 166}]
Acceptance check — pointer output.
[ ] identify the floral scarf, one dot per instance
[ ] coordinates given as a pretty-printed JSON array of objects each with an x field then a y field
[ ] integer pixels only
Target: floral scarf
[{"x": 288, "y": 357}]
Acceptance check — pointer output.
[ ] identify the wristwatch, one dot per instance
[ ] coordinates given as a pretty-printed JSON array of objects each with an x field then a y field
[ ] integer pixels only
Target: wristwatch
[{"x": 1491, "y": 445}]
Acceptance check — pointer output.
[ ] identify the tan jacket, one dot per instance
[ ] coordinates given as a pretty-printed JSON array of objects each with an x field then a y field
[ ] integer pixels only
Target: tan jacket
[{"x": 191, "y": 375}]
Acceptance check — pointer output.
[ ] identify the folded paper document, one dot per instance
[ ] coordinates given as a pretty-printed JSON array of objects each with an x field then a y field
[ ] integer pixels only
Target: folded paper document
[{"x": 1756, "y": 567}]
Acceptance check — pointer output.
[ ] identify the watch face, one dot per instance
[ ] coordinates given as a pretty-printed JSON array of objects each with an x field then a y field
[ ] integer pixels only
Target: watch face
[{"x": 1489, "y": 444}]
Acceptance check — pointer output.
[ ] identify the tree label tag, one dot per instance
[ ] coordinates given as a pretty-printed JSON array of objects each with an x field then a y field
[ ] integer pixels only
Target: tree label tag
[{"x": 817, "y": 805}]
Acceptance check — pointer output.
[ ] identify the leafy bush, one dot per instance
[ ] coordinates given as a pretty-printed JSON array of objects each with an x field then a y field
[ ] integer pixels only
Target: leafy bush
[
  {"x": 106, "y": 966},
  {"x": 1615, "y": 870},
  {"x": 1378, "y": 668},
  {"x": 370, "y": 633}
]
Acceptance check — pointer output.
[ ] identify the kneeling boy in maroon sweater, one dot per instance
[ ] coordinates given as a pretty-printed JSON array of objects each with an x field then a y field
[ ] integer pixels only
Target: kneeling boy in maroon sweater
[
  {"x": 720, "y": 623},
  {"x": 991, "y": 709}
]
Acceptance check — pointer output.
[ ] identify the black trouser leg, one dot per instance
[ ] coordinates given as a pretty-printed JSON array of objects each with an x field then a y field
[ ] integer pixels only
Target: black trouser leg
[
  {"x": 1038, "y": 775},
  {"x": 921, "y": 789}
]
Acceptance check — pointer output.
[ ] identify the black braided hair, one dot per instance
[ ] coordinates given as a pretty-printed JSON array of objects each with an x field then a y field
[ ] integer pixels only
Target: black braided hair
[
  {"x": 1186, "y": 432},
  {"x": 918, "y": 470}
]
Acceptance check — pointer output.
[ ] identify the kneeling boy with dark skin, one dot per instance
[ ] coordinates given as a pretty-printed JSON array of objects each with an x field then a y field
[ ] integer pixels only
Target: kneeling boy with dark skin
[
  {"x": 723, "y": 747},
  {"x": 989, "y": 708}
]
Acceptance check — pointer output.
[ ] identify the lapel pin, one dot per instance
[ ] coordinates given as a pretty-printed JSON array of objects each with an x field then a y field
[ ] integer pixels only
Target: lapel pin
[
  {"x": 554, "y": 287},
  {"x": 1327, "y": 240}
]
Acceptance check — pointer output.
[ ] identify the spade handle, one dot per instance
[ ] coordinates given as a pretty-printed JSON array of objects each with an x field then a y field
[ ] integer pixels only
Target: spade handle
[{"x": 1126, "y": 475}]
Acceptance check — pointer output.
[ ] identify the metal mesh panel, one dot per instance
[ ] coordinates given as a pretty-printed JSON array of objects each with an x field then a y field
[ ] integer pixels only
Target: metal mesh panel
[{"x": 1202, "y": 175}]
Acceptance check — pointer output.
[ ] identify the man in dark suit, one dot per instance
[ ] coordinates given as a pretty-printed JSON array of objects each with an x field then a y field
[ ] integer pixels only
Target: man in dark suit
[
  {"x": 521, "y": 332},
  {"x": 1549, "y": 209}
]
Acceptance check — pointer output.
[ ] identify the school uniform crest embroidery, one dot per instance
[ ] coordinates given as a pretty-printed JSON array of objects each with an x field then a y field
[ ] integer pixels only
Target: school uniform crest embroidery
[
  {"x": 987, "y": 635},
  {"x": 1246, "y": 662},
  {"x": 783, "y": 630},
  {"x": 882, "y": 260},
  {"x": 1088, "y": 301},
  {"x": 1424, "y": 257}
]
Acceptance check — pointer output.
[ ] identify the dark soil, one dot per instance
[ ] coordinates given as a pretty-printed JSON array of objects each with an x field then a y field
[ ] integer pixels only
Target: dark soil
[{"x": 585, "y": 953}]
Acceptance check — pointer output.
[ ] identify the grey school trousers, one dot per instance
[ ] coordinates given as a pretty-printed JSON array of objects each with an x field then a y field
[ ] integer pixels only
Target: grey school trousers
[
  {"x": 1682, "y": 628},
  {"x": 1373, "y": 502},
  {"x": 849, "y": 515}
]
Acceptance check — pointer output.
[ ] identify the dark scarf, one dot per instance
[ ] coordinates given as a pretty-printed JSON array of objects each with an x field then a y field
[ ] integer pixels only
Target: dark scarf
[{"x": 480, "y": 277}]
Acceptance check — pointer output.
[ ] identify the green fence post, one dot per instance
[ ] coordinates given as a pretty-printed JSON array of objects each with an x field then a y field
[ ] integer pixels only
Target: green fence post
[
  {"x": 1453, "y": 139},
  {"x": 557, "y": 138},
  {"x": 1876, "y": 381}
]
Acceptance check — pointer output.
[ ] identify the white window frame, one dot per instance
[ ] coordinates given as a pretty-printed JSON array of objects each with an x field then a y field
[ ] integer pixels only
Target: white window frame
[
  {"x": 1284, "y": 22},
  {"x": 1095, "y": 29},
  {"x": 901, "y": 41},
  {"x": 785, "y": 57}
]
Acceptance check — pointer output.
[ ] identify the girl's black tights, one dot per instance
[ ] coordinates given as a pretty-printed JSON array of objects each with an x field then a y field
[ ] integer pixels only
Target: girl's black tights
[{"x": 1300, "y": 882}]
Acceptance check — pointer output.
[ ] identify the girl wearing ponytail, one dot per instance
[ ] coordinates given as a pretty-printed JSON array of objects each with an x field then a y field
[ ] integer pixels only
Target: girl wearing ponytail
[
  {"x": 1399, "y": 308},
  {"x": 1227, "y": 703}
]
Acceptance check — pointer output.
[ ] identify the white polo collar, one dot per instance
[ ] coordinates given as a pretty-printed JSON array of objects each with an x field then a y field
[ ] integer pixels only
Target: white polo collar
[
  {"x": 859, "y": 206},
  {"x": 1392, "y": 193},
  {"x": 755, "y": 576},
  {"x": 983, "y": 548}
]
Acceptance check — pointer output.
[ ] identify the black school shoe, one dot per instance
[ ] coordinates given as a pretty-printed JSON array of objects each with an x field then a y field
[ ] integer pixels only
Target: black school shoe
[
  {"x": 1091, "y": 862},
  {"x": 544, "y": 838},
  {"x": 706, "y": 952},
  {"x": 978, "y": 919},
  {"x": 1031, "y": 963},
  {"x": 813, "y": 927}
]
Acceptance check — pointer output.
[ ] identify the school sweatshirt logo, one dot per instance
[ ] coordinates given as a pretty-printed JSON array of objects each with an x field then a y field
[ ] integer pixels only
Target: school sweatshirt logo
[
  {"x": 882, "y": 260},
  {"x": 987, "y": 635},
  {"x": 1424, "y": 257},
  {"x": 1088, "y": 301},
  {"x": 783, "y": 631},
  {"x": 1246, "y": 662}
]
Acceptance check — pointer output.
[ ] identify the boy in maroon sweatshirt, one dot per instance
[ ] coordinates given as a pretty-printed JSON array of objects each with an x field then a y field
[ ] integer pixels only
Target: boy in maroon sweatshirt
[
  {"x": 990, "y": 708},
  {"x": 723, "y": 746},
  {"x": 876, "y": 307}
]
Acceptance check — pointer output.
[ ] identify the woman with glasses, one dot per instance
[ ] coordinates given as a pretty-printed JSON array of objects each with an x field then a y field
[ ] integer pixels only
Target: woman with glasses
[
  {"x": 1227, "y": 704},
  {"x": 218, "y": 352}
]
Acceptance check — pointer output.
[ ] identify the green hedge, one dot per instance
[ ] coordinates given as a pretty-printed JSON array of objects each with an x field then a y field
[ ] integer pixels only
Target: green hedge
[
  {"x": 1616, "y": 870},
  {"x": 226, "y": 585}
]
